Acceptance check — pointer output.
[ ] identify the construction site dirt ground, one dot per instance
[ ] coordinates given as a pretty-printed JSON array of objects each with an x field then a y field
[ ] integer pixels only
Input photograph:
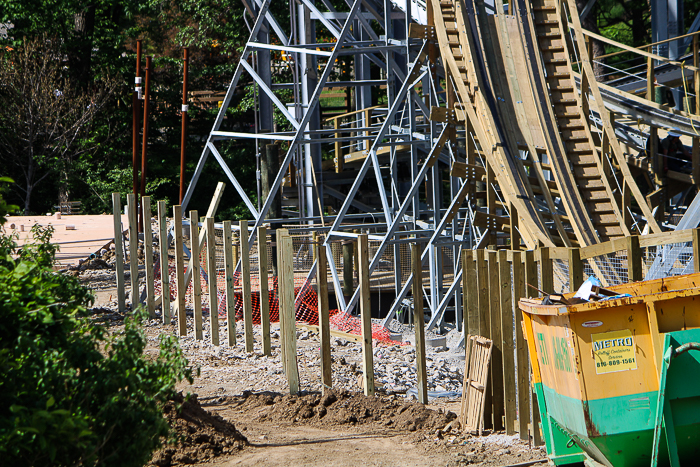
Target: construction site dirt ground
[{"x": 250, "y": 394}]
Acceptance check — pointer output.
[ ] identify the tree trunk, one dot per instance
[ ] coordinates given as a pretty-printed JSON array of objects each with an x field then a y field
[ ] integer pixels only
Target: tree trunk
[{"x": 80, "y": 55}]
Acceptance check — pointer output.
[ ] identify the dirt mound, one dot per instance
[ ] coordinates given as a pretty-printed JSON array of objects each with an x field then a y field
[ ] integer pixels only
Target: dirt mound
[
  {"x": 345, "y": 408},
  {"x": 200, "y": 435}
]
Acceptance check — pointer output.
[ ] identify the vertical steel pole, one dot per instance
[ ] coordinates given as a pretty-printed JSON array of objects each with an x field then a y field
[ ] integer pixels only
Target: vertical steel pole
[
  {"x": 183, "y": 135},
  {"x": 144, "y": 144}
]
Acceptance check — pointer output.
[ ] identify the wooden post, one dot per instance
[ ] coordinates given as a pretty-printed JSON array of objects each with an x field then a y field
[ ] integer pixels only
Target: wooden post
[
  {"x": 419, "y": 322},
  {"x": 547, "y": 274},
  {"x": 482, "y": 272},
  {"x": 634, "y": 259},
  {"x": 497, "y": 338},
  {"x": 148, "y": 257},
  {"x": 179, "y": 271},
  {"x": 164, "y": 267},
  {"x": 213, "y": 288},
  {"x": 264, "y": 291},
  {"x": 245, "y": 287},
  {"x": 536, "y": 420},
  {"x": 339, "y": 159},
  {"x": 470, "y": 291},
  {"x": 530, "y": 269},
  {"x": 490, "y": 202},
  {"x": 323, "y": 316},
  {"x": 196, "y": 275},
  {"x": 575, "y": 269},
  {"x": 508, "y": 340},
  {"x": 133, "y": 249},
  {"x": 229, "y": 266},
  {"x": 278, "y": 235},
  {"x": 119, "y": 250},
  {"x": 650, "y": 80},
  {"x": 696, "y": 250},
  {"x": 522, "y": 362},
  {"x": 366, "y": 315},
  {"x": 514, "y": 232},
  {"x": 625, "y": 207},
  {"x": 286, "y": 305}
]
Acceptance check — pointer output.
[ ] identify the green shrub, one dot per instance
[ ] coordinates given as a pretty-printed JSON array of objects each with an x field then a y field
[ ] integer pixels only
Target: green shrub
[{"x": 71, "y": 393}]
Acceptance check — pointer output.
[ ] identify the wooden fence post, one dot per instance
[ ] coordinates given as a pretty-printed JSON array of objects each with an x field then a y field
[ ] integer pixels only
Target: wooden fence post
[
  {"x": 575, "y": 269},
  {"x": 164, "y": 269},
  {"x": 195, "y": 264},
  {"x": 530, "y": 269},
  {"x": 470, "y": 291},
  {"x": 286, "y": 306},
  {"x": 419, "y": 323},
  {"x": 148, "y": 256},
  {"x": 508, "y": 339},
  {"x": 213, "y": 288},
  {"x": 323, "y": 316},
  {"x": 547, "y": 274},
  {"x": 696, "y": 246},
  {"x": 119, "y": 250},
  {"x": 366, "y": 315},
  {"x": 522, "y": 362},
  {"x": 264, "y": 291},
  {"x": 634, "y": 259},
  {"x": 245, "y": 287},
  {"x": 497, "y": 338},
  {"x": 133, "y": 250},
  {"x": 229, "y": 266},
  {"x": 179, "y": 271},
  {"x": 279, "y": 233}
]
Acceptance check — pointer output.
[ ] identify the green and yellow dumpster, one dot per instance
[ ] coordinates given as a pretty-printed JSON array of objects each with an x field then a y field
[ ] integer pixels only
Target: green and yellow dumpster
[{"x": 618, "y": 380}]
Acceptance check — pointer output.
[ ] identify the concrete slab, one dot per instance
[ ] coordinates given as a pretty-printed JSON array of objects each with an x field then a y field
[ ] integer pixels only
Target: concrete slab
[{"x": 78, "y": 236}]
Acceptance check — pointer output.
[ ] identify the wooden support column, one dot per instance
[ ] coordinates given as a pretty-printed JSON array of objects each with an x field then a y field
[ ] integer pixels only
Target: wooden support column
[
  {"x": 491, "y": 202},
  {"x": 497, "y": 337},
  {"x": 696, "y": 110},
  {"x": 696, "y": 249},
  {"x": 119, "y": 250},
  {"x": 348, "y": 269},
  {"x": 179, "y": 271},
  {"x": 522, "y": 362},
  {"x": 323, "y": 315},
  {"x": 246, "y": 290},
  {"x": 625, "y": 207},
  {"x": 484, "y": 324},
  {"x": 546, "y": 272},
  {"x": 164, "y": 269},
  {"x": 213, "y": 289},
  {"x": 279, "y": 233},
  {"x": 366, "y": 315},
  {"x": 229, "y": 267},
  {"x": 264, "y": 291},
  {"x": 195, "y": 266},
  {"x": 148, "y": 257},
  {"x": 419, "y": 322},
  {"x": 634, "y": 259},
  {"x": 286, "y": 303},
  {"x": 339, "y": 158},
  {"x": 575, "y": 269},
  {"x": 507, "y": 341},
  {"x": 133, "y": 249},
  {"x": 514, "y": 232},
  {"x": 651, "y": 90},
  {"x": 530, "y": 270}
]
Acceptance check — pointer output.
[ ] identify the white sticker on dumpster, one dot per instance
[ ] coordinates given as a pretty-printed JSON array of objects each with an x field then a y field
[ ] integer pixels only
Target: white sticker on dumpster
[{"x": 614, "y": 351}]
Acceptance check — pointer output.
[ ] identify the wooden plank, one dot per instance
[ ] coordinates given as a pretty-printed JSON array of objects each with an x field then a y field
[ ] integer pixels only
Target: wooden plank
[
  {"x": 246, "y": 290},
  {"x": 195, "y": 265},
  {"x": 419, "y": 323},
  {"x": 634, "y": 259},
  {"x": 119, "y": 250},
  {"x": 179, "y": 271},
  {"x": 666, "y": 238},
  {"x": 164, "y": 267},
  {"x": 323, "y": 315},
  {"x": 547, "y": 274},
  {"x": 470, "y": 289},
  {"x": 521, "y": 362},
  {"x": 286, "y": 304},
  {"x": 213, "y": 288},
  {"x": 343, "y": 335},
  {"x": 229, "y": 266},
  {"x": 507, "y": 343},
  {"x": 279, "y": 234},
  {"x": 366, "y": 315},
  {"x": 530, "y": 270},
  {"x": 575, "y": 269},
  {"x": 482, "y": 272},
  {"x": 148, "y": 257},
  {"x": 264, "y": 291},
  {"x": 496, "y": 336},
  {"x": 133, "y": 250}
]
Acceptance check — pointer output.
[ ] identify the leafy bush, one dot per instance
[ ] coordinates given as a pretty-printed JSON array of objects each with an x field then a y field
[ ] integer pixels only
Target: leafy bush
[{"x": 71, "y": 393}]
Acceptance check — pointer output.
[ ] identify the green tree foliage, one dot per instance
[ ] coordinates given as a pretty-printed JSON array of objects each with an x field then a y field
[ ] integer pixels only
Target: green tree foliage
[{"x": 73, "y": 394}]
